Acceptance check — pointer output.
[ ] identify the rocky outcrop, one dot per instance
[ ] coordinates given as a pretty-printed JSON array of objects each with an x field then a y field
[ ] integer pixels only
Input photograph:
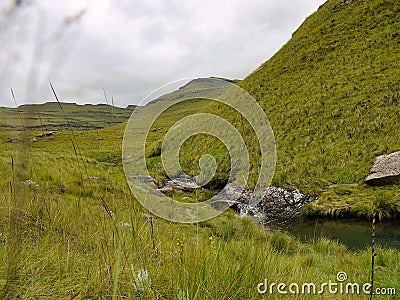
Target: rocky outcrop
[
  {"x": 282, "y": 203},
  {"x": 386, "y": 170},
  {"x": 276, "y": 205}
]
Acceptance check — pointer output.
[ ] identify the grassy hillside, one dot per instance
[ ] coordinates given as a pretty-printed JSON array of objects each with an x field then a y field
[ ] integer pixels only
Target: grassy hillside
[
  {"x": 332, "y": 95},
  {"x": 49, "y": 116}
]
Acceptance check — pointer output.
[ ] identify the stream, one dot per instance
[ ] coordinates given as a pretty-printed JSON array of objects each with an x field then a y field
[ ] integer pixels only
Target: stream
[{"x": 353, "y": 233}]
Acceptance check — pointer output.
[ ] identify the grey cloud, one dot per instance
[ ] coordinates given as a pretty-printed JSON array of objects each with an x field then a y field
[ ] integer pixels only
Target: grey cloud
[{"x": 132, "y": 47}]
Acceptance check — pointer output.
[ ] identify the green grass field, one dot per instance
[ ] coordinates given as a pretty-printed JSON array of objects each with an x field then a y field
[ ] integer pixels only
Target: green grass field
[{"x": 75, "y": 231}]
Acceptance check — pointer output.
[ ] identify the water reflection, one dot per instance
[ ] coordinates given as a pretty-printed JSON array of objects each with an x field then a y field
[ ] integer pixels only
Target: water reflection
[{"x": 355, "y": 234}]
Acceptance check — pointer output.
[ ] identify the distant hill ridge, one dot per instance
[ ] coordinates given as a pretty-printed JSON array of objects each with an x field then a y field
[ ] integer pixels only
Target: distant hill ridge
[{"x": 50, "y": 116}]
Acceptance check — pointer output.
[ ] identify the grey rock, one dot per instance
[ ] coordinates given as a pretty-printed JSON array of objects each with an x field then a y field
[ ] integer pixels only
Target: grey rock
[
  {"x": 275, "y": 204},
  {"x": 14, "y": 141},
  {"x": 29, "y": 182},
  {"x": 386, "y": 170},
  {"x": 235, "y": 193},
  {"x": 235, "y": 196},
  {"x": 282, "y": 204},
  {"x": 181, "y": 183},
  {"x": 166, "y": 189}
]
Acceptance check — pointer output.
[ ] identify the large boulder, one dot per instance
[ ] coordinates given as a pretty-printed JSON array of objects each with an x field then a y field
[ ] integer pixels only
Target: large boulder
[{"x": 386, "y": 170}]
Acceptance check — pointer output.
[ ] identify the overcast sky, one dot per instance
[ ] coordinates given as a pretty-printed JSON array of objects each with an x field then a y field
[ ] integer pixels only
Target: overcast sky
[{"x": 131, "y": 47}]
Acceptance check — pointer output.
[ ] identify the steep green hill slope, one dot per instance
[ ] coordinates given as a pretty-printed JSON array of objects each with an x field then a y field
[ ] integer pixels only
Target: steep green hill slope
[{"x": 332, "y": 95}]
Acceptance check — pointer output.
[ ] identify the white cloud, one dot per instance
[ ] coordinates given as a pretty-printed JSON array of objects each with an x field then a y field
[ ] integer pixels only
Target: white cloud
[{"x": 132, "y": 47}]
